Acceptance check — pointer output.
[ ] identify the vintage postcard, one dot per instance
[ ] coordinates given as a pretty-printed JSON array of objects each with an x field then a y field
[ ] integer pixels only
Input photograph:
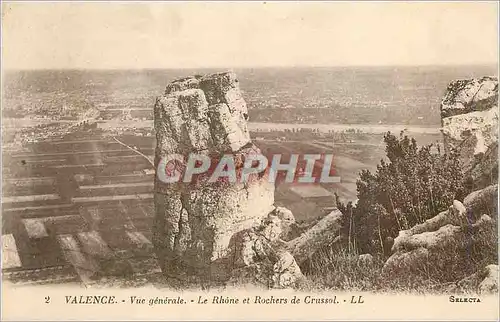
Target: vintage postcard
[{"x": 249, "y": 161}]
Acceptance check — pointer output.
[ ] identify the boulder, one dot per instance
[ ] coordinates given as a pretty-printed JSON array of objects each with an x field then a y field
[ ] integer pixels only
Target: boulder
[
  {"x": 259, "y": 256},
  {"x": 402, "y": 262},
  {"x": 323, "y": 233},
  {"x": 484, "y": 281},
  {"x": 483, "y": 201},
  {"x": 262, "y": 256},
  {"x": 489, "y": 283},
  {"x": 432, "y": 230},
  {"x": 449, "y": 231}
]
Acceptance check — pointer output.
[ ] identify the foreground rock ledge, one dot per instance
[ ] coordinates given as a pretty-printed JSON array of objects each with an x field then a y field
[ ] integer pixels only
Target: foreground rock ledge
[{"x": 222, "y": 232}]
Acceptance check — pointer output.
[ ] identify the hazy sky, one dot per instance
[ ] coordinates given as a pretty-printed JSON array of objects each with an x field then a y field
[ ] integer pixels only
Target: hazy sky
[{"x": 217, "y": 34}]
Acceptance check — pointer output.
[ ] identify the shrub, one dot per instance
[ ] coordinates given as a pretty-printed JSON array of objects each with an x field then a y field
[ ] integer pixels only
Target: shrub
[{"x": 411, "y": 186}]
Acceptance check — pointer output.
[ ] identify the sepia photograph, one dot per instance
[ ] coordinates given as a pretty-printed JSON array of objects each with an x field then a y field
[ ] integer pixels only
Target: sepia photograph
[{"x": 258, "y": 160}]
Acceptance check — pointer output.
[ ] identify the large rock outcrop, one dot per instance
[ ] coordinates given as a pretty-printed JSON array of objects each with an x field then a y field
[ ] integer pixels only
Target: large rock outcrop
[
  {"x": 469, "y": 95},
  {"x": 195, "y": 220},
  {"x": 221, "y": 231},
  {"x": 469, "y": 112}
]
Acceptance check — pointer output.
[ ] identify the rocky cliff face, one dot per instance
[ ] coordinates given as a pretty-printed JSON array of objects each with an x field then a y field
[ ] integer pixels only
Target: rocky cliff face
[
  {"x": 469, "y": 112},
  {"x": 221, "y": 230}
]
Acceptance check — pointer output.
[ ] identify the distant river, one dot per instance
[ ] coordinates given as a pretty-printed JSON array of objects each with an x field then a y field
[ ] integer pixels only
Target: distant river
[
  {"x": 325, "y": 128},
  {"x": 252, "y": 126}
]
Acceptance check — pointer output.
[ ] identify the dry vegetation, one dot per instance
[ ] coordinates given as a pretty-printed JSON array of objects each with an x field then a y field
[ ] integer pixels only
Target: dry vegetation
[
  {"x": 442, "y": 269},
  {"x": 333, "y": 268}
]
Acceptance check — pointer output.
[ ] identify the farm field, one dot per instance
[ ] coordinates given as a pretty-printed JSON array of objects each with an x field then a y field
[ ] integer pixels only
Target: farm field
[{"x": 80, "y": 209}]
